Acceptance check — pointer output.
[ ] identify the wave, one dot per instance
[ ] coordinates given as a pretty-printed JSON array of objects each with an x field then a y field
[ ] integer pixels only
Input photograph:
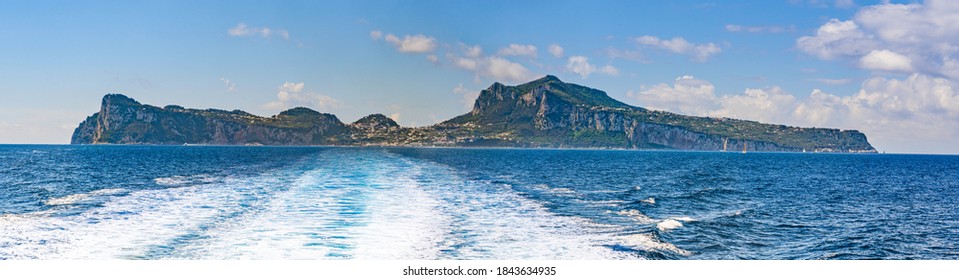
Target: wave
[
  {"x": 82, "y": 197},
  {"x": 637, "y": 216},
  {"x": 175, "y": 181},
  {"x": 649, "y": 242}
]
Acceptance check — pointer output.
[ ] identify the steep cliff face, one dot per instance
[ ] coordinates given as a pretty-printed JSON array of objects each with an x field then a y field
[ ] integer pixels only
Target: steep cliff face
[
  {"x": 543, "y": 113},
  {"x": 122, "y": 120},
  {"x": 548, "y": 112}
]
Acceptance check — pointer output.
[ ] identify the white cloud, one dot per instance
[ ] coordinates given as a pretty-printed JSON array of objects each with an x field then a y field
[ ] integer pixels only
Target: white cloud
[
  {"x": 699, "y": 53},
  {"x": 519, "y": 50},
  {"x": 292, "y": 87},
  {"x": 230, "y": 85},
  {"x": 819, "y": 109},
  {"x": 885, "y": 60},
  {"x": 462, "y": 62},
  {"x": 242, "y": 30},
  {"x": 691, "y": 96},
  {"x": 609, "y": 70},
  {"x": 924, "y": 34},
  {"x": 503, "y": 69},
  {"x": 687, "y": 95},
  {"x": 759, "y": 28},
  {"x": 467, "y": 96},
  {"x": 556, "y": 50},
  {"x": 376, "y": 35},
  {"x": 580, "y": 65},
  {"x": 916, "y": 114},
  {"x": 495, "y": 67},
  {"x": 472, "y": 51},
  {"x": 292, "y": 95},
  {"x": 837, "y": 38},
  {"x": 418, "y": 43},
  {"x": 770, "y": 105},
  {"x": 433, "y": 58}
]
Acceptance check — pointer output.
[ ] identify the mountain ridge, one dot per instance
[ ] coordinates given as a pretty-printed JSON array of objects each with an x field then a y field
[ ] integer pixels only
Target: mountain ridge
[{"x": 546, "y": 112}]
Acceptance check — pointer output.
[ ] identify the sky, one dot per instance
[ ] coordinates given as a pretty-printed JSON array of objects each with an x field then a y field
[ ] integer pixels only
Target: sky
[{"x": 887, "y": 68}]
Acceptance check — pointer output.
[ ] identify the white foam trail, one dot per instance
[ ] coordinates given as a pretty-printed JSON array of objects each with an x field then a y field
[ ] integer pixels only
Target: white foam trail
[
  {"x": 554, "y": 190},
  {"x": 124, "y": 227},
  {"x": 649, "y": 200},
  {"x": 638, "y": 216},
  {"x": 684, "y": 219},
  {"x": 668, "y": 224},
  {"x": 350, "y": 203},
  {"x": 75, "y": 198},
  {"x": 354, "y": 207},
  {"x": 185, "y": 180},
  {"x": 649, "y": 242},
  {"x": 492, "y": 222}
]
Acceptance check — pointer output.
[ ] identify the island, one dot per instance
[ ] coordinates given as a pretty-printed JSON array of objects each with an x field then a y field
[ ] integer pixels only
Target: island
[{"x": 545, "y": 113}]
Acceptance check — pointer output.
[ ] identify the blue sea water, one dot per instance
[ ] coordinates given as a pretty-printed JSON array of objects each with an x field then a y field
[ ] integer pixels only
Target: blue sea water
[{"x": 167, "y": 202}]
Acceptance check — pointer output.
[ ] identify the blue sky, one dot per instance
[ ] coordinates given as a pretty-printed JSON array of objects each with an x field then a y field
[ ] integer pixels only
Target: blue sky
[{"x": 887, "y": 69}]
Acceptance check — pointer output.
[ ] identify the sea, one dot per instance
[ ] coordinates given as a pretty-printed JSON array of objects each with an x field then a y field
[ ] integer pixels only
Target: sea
[{"x": 79, "y": 202}]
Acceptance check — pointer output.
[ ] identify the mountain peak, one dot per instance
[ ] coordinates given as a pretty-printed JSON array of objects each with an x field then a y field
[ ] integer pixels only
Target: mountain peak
[
  {"x": 118, "y": 99},
  {"x": 375, "y": 122},
  {"x": 299, "y": 111},
  {"x": 547, "y": 80},
  {"x": 376, "y": 118}
]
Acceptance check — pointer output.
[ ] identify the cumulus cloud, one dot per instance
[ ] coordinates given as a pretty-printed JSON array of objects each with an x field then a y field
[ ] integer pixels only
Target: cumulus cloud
[
  {"x": 501, "y": 68},
  {"x": 687, "y": 95},
  {"x": 885, "y": 60},
  {"x": 292, "y": 95},
  {"x": 472, "y": 51},
  {"x": 895, "y": 113},
  {"x": 495, "y": 67},
  {"x": 679, "y": 45},
  {"x": 691, "y": 96},
  {"x": 519, "y": 50},
  {"x": 242, "y": 30},
  {"x": 760, "y": 28},
  {"x": 917, "y": 37},
  {"x": 580, "y": 65},
  {"x": 556, "y": 50},
  {"x": 765, "y": 105},
  {"x": 837, "y": 38},
  {"x": 230, "y": 85},
  {"x": 418, "y": 43},
  {"x": 609, "y": 70}
]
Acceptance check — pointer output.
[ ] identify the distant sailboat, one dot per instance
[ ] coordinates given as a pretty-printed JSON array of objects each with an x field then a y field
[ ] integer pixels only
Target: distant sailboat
[
  {"x": 725, "y": 141},
  {"x": 744, "y": 147}
]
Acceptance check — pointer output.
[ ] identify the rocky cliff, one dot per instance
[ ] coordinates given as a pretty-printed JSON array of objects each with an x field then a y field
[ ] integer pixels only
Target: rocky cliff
[
  {"x": 122, "y": 120},
  {"x": 543, "y": 113}
]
